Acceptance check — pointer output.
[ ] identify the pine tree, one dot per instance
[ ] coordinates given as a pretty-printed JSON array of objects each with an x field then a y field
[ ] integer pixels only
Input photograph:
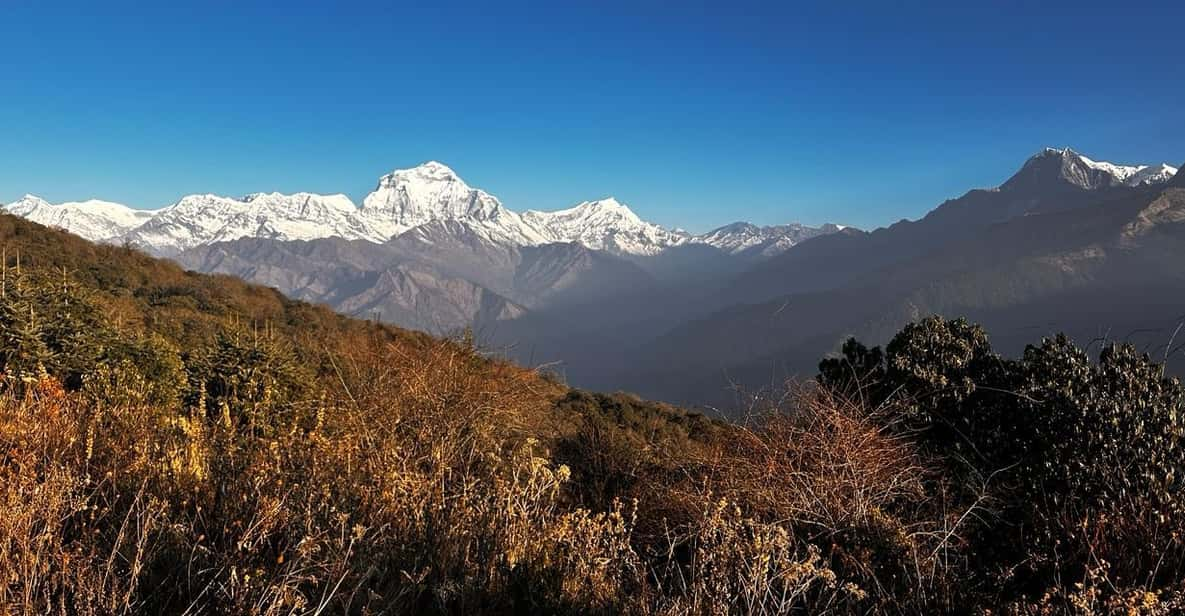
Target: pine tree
[
  {"x": 72, "y": 329},
  {"x": 23, "y": 353}
]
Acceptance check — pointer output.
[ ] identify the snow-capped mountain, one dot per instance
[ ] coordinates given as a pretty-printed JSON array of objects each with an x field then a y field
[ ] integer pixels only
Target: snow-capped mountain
[
  {"x": 95, "y": 220},
  {"x": 605, "y": 224},
  {"x": 1152, "y": 174},
  {"x": 740, "y": 237},
  {"x": 196, "y": 220},
  {"x": 1069, "y": 167},
  {"x": 402, "y": 201},
  {"x": 407, "y": 198}
]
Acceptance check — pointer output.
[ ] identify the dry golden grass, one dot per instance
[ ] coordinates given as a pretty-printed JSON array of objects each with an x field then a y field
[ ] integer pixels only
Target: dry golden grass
[
  {"x": 414, "y": 482},
  {"x": 422, "y": 481},
  {"x": 415, "y": 488}
]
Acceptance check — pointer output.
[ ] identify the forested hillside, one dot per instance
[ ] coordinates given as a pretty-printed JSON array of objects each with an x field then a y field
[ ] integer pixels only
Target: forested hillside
[{"x": 182, "y": 443}]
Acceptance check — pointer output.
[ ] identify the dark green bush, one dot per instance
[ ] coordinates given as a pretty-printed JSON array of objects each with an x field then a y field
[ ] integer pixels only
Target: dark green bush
[{"x": 1081, "y": 460}]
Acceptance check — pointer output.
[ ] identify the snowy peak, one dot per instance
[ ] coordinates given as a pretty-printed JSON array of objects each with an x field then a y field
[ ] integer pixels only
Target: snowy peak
[
  {"x": 1053, "y": 167},
  {"x": 601, "y": 211},
  {"x": 406, "y": 198},
  {"x": 93, "y": 219},
  {"x": 302, "y": 200},
  {"x": 740, "y": 237},
  {"x": 195, "y": 220},
  {"x": 732, "y": 238},
  {"x": 609, "y": 206},
  {"x": 26, "y": 205},
  {"x": 402, "y": 200},
  {"x": 425, "y": 173},
  {"x": 604, "y": 224}
]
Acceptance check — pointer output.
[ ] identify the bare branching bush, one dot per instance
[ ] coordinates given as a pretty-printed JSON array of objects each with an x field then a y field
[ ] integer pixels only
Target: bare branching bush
[{"x": 839, "y": 491}]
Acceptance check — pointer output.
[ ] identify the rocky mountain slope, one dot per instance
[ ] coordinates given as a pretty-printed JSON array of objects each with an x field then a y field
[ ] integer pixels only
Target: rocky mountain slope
[
  {"x": 1051, "y": 250},
  {"x": 1051, "y": 180},
  {"x": 439, "y": 277}
]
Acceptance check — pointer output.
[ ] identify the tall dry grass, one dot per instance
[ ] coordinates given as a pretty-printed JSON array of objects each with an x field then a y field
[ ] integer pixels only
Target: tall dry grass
[
  {"x": 409, "y": 486},
  {"x": 423, "y": 482}
]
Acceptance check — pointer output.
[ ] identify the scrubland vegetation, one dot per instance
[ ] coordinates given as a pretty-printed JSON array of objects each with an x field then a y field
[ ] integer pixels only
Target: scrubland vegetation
[{"x": 174, "y": 443}]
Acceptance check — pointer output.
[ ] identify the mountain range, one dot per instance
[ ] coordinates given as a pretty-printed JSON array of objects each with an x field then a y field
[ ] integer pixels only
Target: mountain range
[
  {"x": 402, "y": 200},
  {"x": 1067, "y": 243}
]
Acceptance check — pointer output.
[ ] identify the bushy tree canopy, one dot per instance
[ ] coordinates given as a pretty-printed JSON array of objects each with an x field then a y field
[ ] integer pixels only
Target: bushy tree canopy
[{"x": 1071, "y": 440}]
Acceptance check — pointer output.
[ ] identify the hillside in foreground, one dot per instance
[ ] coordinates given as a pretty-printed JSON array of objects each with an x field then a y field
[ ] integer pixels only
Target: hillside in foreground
[{"x": 181, "y": 443}]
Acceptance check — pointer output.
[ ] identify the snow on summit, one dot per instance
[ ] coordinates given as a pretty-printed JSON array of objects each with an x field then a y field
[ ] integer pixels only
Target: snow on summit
[
  {"x": 740, "y": 237},
  {"x": 95, "y": 220},
  {"x": 1069, "y": 166},
  {"x": 196, "y": 220},
  {"x": 605, "y": 224},
  {"x": 402, "y": 200},
  {"x": 407, "y": 198}
]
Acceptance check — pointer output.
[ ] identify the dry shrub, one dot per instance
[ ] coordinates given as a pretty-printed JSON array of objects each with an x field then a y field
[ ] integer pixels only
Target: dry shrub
[
  {"x": 1096, "y": 595},
  {"x": 825, "y": 460},
  {"x": 70, "y": 541},
  {"x": 840, "y": 493},
  {"x": 738, "y": 565}
]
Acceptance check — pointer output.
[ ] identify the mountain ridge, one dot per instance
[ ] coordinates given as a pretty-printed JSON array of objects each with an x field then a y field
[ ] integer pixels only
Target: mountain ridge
[
  {"x": 622, "y": 302},
  {"x": 1063, "y": 267},
  {"x": 400, "y": 201}
]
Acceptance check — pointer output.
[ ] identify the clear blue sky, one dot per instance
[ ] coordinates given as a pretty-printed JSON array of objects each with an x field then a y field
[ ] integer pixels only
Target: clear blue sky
[{"x": 695, "y": 114}]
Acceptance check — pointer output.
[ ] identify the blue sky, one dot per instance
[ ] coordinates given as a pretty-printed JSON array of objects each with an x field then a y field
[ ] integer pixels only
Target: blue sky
[{"x": 695, "y": 114}]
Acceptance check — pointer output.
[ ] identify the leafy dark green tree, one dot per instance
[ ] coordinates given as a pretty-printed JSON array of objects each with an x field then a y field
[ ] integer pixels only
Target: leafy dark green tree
[
  {"x": 944, "y": 382},
  {"x": 1105, "y": 443},
  {"x": 48, "y": 323},
  {"x": 858, "y": 373},
  {"x": 1085, "y": 457}
]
